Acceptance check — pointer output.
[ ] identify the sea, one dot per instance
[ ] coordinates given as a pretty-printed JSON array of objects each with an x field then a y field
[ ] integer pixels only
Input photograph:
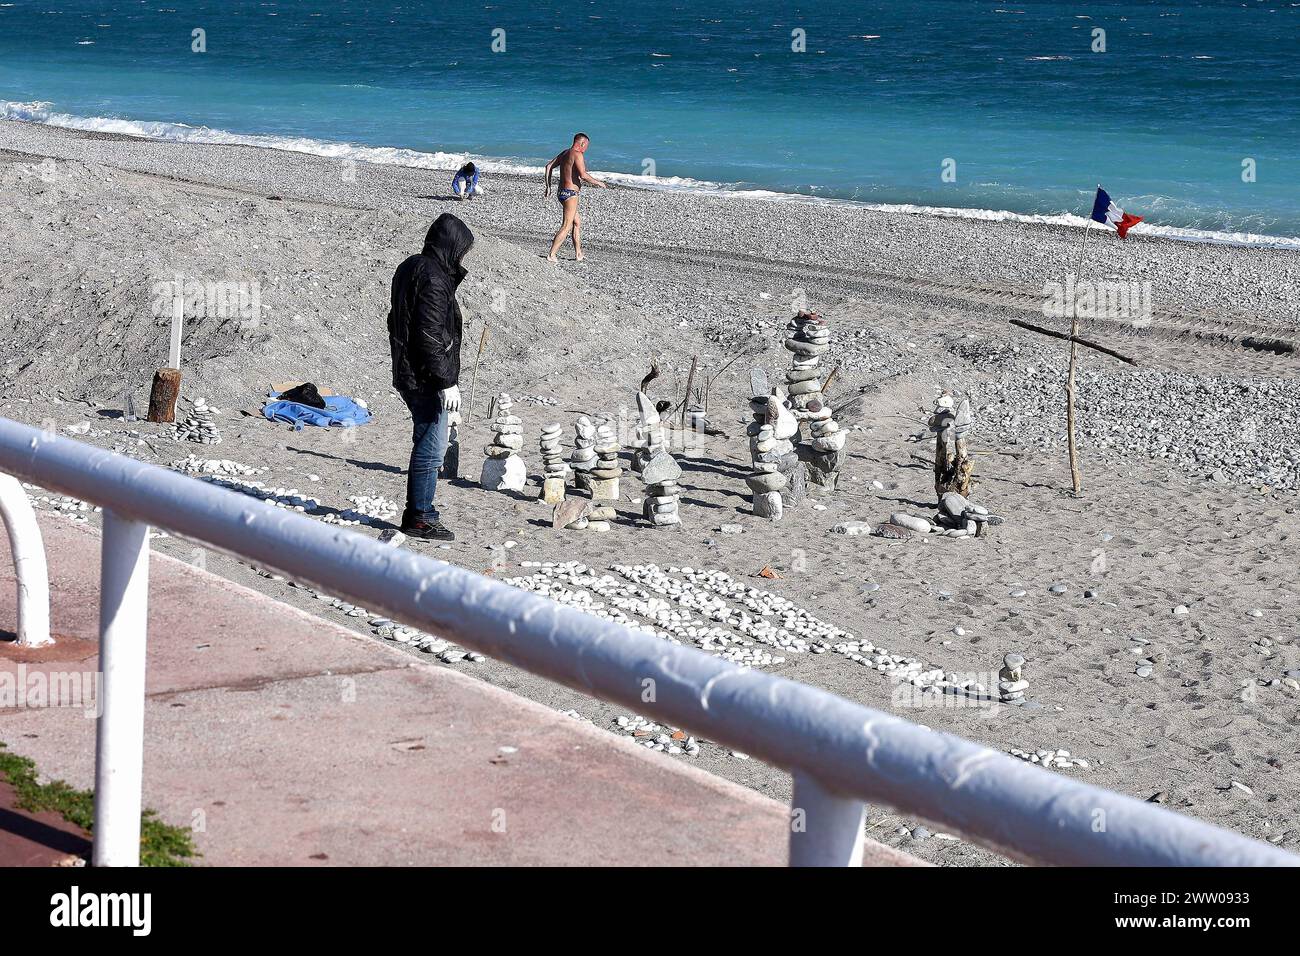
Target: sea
[{"x": 1187, "y": 113}]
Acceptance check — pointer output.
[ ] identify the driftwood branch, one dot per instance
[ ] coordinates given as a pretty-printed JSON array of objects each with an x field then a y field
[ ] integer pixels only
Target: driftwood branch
[{"x": 1074, "y": 339}]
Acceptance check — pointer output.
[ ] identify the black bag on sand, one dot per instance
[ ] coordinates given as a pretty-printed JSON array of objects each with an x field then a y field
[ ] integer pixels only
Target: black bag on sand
[{"x": 304, "y": 394}]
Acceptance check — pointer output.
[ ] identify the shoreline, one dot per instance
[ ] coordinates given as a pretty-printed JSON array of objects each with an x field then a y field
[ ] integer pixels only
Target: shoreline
[
  {"x": 447, "y": 162},
  {"x": 813, "y": 245}
]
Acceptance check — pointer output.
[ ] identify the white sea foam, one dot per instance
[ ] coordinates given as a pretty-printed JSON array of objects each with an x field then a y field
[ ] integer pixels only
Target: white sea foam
[{"x": 41, "y": 112}]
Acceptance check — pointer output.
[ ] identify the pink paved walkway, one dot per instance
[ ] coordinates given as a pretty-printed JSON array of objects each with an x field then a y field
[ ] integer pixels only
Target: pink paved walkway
[{"x": 290, "y": 740}]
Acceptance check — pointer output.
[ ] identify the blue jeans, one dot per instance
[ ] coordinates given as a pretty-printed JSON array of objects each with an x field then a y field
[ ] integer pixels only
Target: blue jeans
[{"x": 428, "y": 446}]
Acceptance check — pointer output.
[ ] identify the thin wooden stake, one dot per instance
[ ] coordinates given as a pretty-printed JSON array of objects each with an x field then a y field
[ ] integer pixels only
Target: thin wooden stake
[
  {"x": 690, "y": 382},
  {"x": 482, "y": 343}
]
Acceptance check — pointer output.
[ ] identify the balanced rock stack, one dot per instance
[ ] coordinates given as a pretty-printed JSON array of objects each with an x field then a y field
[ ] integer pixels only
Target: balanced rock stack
[
  {"x": 808, "y": 339},
  {"x": 649, "y": 432},
  {"x": 583, "y": 459},
  {"x": 504, "y": 470},
  {"x": 770, "y": 448},
  {"x": 1011, "y": 682},
  {"x": 765, "y": 481},
  {"x": 605, "y": 475},
  {"x": 821, "y": 455},
  {"x": 662, "y": 490},
  {"x": 554, "y": 470}
]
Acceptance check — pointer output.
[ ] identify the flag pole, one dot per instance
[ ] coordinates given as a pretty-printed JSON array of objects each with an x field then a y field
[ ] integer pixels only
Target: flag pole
[{"x": 1076, "y": 476}]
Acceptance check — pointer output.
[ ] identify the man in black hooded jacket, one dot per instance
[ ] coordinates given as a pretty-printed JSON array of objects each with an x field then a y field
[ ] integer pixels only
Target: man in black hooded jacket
[{"x": 424, "y": 333}]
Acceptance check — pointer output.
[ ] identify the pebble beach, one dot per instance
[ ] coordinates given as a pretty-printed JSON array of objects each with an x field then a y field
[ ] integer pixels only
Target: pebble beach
[{"x": 1153, "y": 613}]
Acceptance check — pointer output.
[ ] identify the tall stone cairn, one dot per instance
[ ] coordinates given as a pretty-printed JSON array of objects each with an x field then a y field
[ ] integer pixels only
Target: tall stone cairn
[
  {"x": 503, "y": 469},
  {"x": 554, "y": 470},
  {"x": 821, "y": 454},
  {"x": 649, "y": 432},
  {"x": 807, "y": 338},
  {"x": 604, "y": 479},
  {"x": 583, "y": 459}
]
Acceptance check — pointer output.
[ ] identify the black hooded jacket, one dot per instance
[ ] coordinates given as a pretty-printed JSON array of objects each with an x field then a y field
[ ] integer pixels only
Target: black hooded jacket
[{"x": 424, "y": 322}]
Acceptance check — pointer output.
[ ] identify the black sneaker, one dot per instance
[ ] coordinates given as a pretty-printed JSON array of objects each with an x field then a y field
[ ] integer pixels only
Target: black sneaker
[{"x": 428, "y": 531}]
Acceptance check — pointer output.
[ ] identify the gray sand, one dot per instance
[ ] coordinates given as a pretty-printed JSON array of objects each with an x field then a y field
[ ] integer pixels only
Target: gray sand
[{"x": 1189, "y": 459}]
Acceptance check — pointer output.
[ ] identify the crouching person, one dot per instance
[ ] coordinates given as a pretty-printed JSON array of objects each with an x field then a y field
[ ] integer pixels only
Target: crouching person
[
  {"x": 465, "y": 184},
  {"x": 424, "y": 334}
]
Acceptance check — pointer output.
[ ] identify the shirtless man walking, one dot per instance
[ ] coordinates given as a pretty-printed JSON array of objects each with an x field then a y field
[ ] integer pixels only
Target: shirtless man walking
[{"x": 573, "y": 173}]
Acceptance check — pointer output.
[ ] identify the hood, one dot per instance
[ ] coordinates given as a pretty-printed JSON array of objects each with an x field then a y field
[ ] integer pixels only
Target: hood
[{"x": 447, "y": 242}]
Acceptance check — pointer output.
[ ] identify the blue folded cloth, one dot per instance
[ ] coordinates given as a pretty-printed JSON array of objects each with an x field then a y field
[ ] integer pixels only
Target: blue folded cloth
[{"x": 339, "y": 412}]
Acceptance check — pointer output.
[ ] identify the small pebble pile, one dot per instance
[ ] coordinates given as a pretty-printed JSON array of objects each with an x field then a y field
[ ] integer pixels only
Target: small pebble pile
[
  {"x": 1011, "y": 681},
  {"x": 957, "y": 517},
  {"x": 196, "y": 429},
  {"x": 224, "y": 467}
]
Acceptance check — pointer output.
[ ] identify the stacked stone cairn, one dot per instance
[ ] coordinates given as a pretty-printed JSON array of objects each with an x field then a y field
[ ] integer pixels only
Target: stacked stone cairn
[
  {"x": 821, "y": 455},
  {"x": 604, "y": 479},
  {"x": 662, "y": 490},
  {"x": 503, "y": 469},
  {"x": 1011, "y": 682},
  {"x": 776, "y": 465},
  {"x": 606, "y": 473},
  {"x": 195, "y": 428},
  {"x": 554, "y": 470},
  {"x": 583, "y": 459},
  {"x": 649, "y": 432},
  {"x": 808, "y": 338}
]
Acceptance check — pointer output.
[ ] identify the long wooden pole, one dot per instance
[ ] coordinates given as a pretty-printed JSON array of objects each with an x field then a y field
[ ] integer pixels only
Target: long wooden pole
[
  {"x": 1076, "y": 476},
  {"x": 482, "y": 343}
]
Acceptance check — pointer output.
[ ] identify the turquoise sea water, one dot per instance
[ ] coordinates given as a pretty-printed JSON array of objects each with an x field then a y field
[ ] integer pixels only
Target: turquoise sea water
[{"x": 712, "y": 95}]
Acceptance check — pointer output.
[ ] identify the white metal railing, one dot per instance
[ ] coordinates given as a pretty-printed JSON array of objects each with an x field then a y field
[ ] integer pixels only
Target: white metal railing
[
  {"x": 28, "y": 551},
  {"x": 841, "y": 754}
]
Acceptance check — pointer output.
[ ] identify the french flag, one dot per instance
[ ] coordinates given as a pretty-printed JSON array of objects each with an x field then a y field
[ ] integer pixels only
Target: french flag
[{"x": 1107, "y": 213}]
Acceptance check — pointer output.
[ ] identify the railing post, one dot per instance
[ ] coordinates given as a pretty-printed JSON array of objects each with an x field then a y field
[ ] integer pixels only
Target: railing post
[
  {"x": 119, "y": 736},
  {"x": 826, "y": 829},
  {"x": 28, "y": 549}
]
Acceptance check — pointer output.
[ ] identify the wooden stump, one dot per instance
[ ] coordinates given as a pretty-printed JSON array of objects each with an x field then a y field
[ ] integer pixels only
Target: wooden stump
[
  {"x": 162, "y": 397},
  {"x": 952, "y": 471}
]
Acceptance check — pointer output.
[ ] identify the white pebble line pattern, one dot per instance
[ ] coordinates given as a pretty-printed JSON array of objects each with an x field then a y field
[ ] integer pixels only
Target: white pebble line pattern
[{"x": 1055, "y": 759}]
